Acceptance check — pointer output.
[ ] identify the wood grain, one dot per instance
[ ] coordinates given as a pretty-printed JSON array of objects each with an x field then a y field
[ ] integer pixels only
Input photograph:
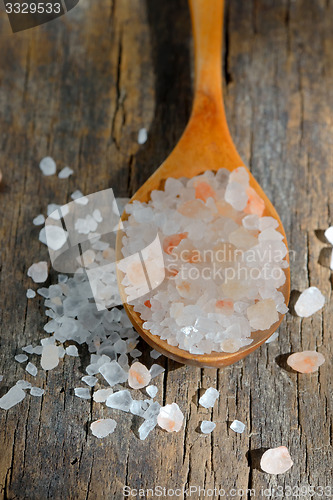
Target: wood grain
[{"x": 79, "y": 89}]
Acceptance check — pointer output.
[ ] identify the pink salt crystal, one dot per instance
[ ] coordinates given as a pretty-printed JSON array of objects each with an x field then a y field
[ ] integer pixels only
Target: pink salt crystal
[
  {"x": 225, "y": 306},
  {"x": 170, "y": 418},
  {"x": 255, "y": 204},
  {"x": 194, "y": 209},
  {"x": 306, "y": 361},
  {"x": 263, "y": 314},
  {"x": 138, "y": 376},
  {"x": 203, "y": 191},
  {"x": 170, "y": 242},
  {"x": 276, "y": 460}
]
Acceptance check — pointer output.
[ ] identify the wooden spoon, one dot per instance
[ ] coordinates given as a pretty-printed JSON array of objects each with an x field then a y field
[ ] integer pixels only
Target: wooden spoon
[{"x": 206, "y": 144}]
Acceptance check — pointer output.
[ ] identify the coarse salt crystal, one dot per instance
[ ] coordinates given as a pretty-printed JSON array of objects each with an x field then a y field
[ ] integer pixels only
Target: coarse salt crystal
[
  {"x": 329, "y": 234},
  {"x": 208, "y": 399},
  {"x": 237, "y": 426},
  {"x": 48, "y": 166},
  {"x": 156, "y": 370},
  {"x": 306, "y": 361},
  {"x": 37, "y": 391},
  {"x": 142, "y": 136},
  {"x": 263, "y": 314},
  {"x": 309, "y": 302},
  {"x": 103, "y": 427},
  {"x": 207, "y": 426},
  {"x": 170, "y": 418},
  {"x": 72, "y": 350},
  {"x": 120, "y": 400},
  {"x": 151, "y": 390},
  {"x": 21, "y": 358},
  {"x": 82, "y": 392},
  {"x": 102, "y": 395},
  {"x": 138, "y": 376},
  {"x": 50, "y": 357},
  {"x": 53, "y": 236},
  {"x": 32, "y": 369},
  {"x": 39, "y": 220},
  {"x": 30, "y": 293},
  {"x": 90, "y": 380},
  {"x": 65, "y": 173},
  {"x": 14, "y": 396},
  {"x": 276, "y": 460},
  {"x": 38, "y": 272}
]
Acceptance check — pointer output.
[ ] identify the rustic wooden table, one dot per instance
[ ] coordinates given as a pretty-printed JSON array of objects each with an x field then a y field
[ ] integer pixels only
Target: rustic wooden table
[{"x": 79, "y": 89}]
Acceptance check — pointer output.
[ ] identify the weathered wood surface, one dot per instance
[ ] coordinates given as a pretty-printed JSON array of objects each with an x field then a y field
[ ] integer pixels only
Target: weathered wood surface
[{"x": 79, "y": 89}]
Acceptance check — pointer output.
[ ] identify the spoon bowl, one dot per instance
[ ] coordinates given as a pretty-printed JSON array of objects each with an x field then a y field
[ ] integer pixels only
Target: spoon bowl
[{"x": 206, "y": 144}]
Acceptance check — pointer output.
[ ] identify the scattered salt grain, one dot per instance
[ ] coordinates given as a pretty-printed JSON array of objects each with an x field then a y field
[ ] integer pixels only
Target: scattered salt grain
[
  {"x": 36, "y": 391},
  {"x": 53, "y": 236},
  {"x": 103, "y": 427},
  {"x": 151, "y": 390},
  {"x": 146, "y": 428},
  {"x": 50, "y": 357},
  {"x": 48, "y": 166},
  {"x": 82, "y": 392},
  {"x": 170, "y": 418},
  {"x": 24, "y": 384},
  {"x": 90, "y": 380},
  {"x": 207, "y": 426},
  {"x": 155, "y": 354},
  {"x": 113, "y": 373},
  {"x": 31, "y": 293},
  {"x": 329, "y": 235},
  {"x": 237, "y": 426},
  {"x": 38, "y": 272},
  {"x": 14, "y": 396},
  {"x": 156, "y": 370},
  {"x": 120, "y": 400},
  {"x": 138, "y": 376},
  {"x": 65, "y": 173},
  {"x": 21, "y": 358},
  {"x": 272, "y": 337},
  {"x": 32, "y": 369},
  {"x": 39, "y": 220},
  {"x": 276, "y": 460},
  {"x": 78, "y": 197},
  {"x": 72, "y": 350},
  {"x": 29, "y": 349},
  {"x": 309, "y": 302},
  {"x": 306, "y": 361},
  {"x": 208, "y": 399},
  {"x": 142, "y": 136},
  {"x": 102, "y": 395}
]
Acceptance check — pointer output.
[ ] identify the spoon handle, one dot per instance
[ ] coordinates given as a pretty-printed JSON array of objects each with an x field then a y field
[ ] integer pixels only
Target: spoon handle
[{"x": 207, "y": 23}]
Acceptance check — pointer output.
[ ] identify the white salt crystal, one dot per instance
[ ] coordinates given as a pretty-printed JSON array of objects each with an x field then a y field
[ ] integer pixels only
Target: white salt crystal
[
  {"x": 272, "y": 337},
  {"x": 36, "y": 391},
  {"x": 50, "y": 357},
  {"x": 156, "y": 370},
  {"x": 78, "y": 197},
  {"x": 207, "y": 426},
  {"x": 14, "y": 396},
  {"x": 146, "y": 428},
  {"x": 48, "y": 166},
  {"x": 24, "y": 384},
  {"x": 32, "y": 369},
  {"x": 72, "y": 350},
  {"x": 240, "y": 175},
  {"x": 237, "y": 426},
  {"x": 82, "y": 392},
  {"x": 155, "y": 354},
  {"x": 65, "y": 173},
  {"x": 38, "y": 272},
  {"x": 208, "y": 399},
  {"x": 29, "y": 349},
  {"x": 142, "y": 136},
  {"x": 151, "y": 390},
  {"x": 113, "y": 373},
  {"x": 309, "y": 302},
  {"x": 170, "y": 418},
  {"x": 102, "y": 395},
  {"x": 38, "y": 350},
  {"x": 329, "y": 235},
  {"x": 136, "y": 408},
  {"x": 138, "y": 376},
  {"x": 276, "y": 460},
  {"x": 31, "y": 293},
  {"x": 90, "y": 380},
  {"x": 120, "y": 400},
  {"x": 21, "y": 358},
  {"x": 53, "y": 236},
  {"x": 103, "y": 427},
  {"x": 251, "y": 222},
  {"x": 97, "y": 215},
  {"x": 39, "y": 220}
]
